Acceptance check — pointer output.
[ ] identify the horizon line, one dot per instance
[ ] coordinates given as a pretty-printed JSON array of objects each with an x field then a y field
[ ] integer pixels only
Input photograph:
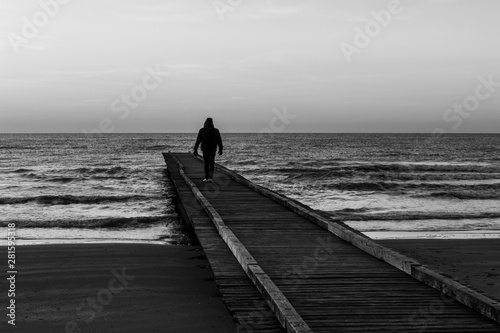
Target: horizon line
[{"x": 281, "y": 133}]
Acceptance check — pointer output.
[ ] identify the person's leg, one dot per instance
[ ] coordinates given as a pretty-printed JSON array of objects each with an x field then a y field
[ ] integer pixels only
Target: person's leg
[
  {"x": 211, "y": 165},
  {"x": 206, "y": 162}
]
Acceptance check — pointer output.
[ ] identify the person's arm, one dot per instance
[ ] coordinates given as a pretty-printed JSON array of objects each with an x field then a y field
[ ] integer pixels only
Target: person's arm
[
  {"x": 219, "y": 142},
  {"x": 198, "y": 141}
]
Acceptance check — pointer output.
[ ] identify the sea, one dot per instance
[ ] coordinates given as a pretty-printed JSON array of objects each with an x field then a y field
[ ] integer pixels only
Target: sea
[{"x": 79, "y": 188}]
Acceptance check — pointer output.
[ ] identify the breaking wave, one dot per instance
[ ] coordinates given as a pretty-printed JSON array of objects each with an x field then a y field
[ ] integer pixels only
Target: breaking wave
[
  {"x": 70, "y": 199},
  {"x": 112, "y": 222},
  {"x": 356, "y": 215}
]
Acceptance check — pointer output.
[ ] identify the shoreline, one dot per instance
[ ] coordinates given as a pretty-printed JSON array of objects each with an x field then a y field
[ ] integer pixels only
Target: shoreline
[
  {"x": 175, "y": 285},
  {"x": 378, "y": 236},
  {"x": 87, "y": 241},
  {"x": 432, "y": 235},
  {"x": 116, "y": 288}
]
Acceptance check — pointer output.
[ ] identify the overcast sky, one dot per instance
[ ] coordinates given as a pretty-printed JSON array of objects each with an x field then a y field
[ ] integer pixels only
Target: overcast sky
[{"x": 88, "y": 65}]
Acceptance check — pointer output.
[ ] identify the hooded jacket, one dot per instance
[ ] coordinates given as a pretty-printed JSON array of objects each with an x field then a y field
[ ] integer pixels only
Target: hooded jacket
[{"x": 209, "y": 137}]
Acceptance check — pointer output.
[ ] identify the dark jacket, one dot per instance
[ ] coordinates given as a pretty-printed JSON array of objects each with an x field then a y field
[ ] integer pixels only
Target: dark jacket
[{"x": 209, "y": 137}]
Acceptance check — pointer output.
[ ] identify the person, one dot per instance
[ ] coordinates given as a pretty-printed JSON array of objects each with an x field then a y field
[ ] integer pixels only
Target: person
[{"x": 210, "y": 139}]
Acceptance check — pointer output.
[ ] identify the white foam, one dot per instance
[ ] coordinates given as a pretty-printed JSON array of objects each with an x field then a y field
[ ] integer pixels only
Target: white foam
[{"x": 432, "y": 235}]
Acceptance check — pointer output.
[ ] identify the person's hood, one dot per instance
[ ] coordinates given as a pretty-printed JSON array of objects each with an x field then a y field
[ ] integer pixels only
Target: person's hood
[{"x": 209, "y": 123}]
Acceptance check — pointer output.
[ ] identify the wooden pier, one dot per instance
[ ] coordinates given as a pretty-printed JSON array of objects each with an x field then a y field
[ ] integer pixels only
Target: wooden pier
[{"x": 280, "y": 267}]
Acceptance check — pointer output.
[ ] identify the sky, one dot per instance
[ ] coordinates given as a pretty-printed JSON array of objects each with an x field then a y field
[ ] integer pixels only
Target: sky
[{"x": 113, "y": 66}]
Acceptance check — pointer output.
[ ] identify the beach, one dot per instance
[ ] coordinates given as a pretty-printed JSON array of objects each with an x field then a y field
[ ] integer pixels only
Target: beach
[
  {"x": 472, "y": 262},
  {"x": 69, "y": 188},
  {"x": 165, "y": 288},
  {"x": 115, "y": 288}
]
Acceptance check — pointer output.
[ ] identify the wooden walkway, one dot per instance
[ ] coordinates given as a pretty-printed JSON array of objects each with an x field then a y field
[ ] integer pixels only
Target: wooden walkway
[{"x": 279, "y": 269}]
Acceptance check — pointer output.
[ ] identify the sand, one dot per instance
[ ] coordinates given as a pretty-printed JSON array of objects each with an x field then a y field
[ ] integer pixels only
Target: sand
[
  {"x": 158, "y": 288},
  {"x": 474, "y": 263},
  {"x": 153, "y": 288}
]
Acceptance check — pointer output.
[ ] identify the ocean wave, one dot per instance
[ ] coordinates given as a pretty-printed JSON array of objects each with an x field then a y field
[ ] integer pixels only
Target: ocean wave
[
  {"x": 118, "y": 222},
  {"x": 158, "y": 147},
  {"x": 480, "y": 195},
  {"x": 110, "y": 171},
  {"x": 348, "y": 178},
  {"x": 362, "y": 186},
  {"x": 22, "y": 170},
  {"x": 62, "y": 180},
  {"x": 32, "y": 175},
  {"x": 340, "y": 169},
  {"x": 14, "y": 147},
  {"x": 77, "y": 174},
  {"x": 246, "y": 162},
  {"x": 451, "y": 189},
  {"x": 425, "y": 176},
  {"x": 483, "y": 225},
  {"x": 68, "y": 179},
  {"x": 69, "y": 199},
  {"x": 108, "y": 177},
  {"x": 353, "y": 210},
  {"x": 343, "y": 215}
]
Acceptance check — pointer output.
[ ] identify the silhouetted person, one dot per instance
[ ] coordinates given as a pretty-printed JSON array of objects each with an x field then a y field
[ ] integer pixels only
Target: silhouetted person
[{"x": 210, "y": 138}]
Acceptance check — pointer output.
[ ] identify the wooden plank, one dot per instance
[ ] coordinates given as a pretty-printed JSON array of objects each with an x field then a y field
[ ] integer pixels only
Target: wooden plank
[
  {"x": 243, "y": 300},
  {"x": 481, "y": 303},
  {"x": 284, "y": 311},
  {"x": 331, "y": 284}
]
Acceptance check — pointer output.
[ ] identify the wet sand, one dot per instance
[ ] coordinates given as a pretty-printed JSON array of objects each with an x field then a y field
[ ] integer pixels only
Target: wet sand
[
  {"x": 114, "y": 288},
  {"x": 474, "y": 263}
]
